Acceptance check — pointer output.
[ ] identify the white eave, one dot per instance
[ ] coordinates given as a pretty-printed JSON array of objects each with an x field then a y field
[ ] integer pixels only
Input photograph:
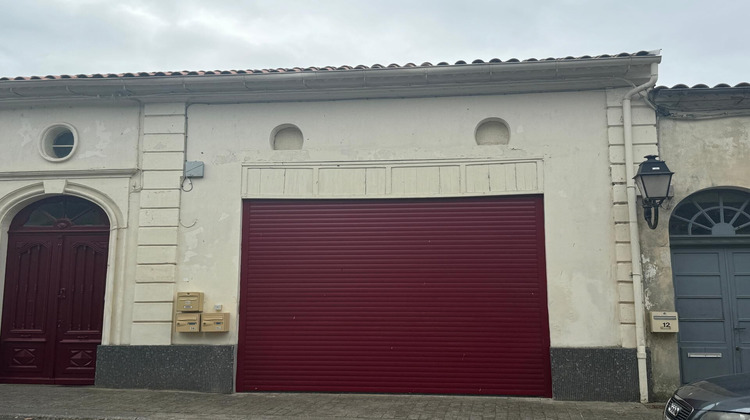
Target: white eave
[{"x": 420, "y": 81}]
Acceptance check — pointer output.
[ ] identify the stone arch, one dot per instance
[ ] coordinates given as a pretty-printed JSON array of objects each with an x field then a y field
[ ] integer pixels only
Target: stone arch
[{"x": 12, "y": 203}]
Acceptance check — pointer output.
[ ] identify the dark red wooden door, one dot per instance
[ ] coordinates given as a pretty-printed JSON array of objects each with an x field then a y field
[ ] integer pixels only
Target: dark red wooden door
[
  {"x": 405, "y": 296},
  {"x": 53, "y": 299}
]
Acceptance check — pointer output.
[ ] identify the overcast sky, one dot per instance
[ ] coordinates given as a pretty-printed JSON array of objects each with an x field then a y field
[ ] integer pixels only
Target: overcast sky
[{"x": 701, "y": 41}]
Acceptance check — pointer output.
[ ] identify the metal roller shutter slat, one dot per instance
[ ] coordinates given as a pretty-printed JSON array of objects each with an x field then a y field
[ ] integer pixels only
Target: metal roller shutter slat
[{"x": 418, "y": 295}]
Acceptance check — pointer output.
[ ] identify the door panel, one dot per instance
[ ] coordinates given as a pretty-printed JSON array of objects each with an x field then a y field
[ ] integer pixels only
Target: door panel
[
  {"x": 53, "y": 302},
  {"x": 712, "y": 297},
  {"x": 739, "y": 271},
  {"x": 27, "y": 324},
  {"x": 53, "y": 307},
  {"x": 75, "y": 361},
  {"x": 80, "y": 309},
  {"x": 704, "y": 362}
]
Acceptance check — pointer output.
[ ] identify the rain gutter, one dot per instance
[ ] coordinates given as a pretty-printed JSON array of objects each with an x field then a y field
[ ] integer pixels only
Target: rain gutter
[{"x": 560, "y": 74}]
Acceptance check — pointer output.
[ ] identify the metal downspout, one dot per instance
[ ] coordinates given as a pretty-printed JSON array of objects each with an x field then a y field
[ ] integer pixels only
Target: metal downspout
[{"x": 635, "y": 246}]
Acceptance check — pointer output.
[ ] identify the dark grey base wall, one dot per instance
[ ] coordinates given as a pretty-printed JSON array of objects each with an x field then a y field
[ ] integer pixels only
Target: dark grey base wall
[
  {"x": 188, "y": 368},
  {"x": 578, "y": 374},
  {"x": 594, "y": 374}
]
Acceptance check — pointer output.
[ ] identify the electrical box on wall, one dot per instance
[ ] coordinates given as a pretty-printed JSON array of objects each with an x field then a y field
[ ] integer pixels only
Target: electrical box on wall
[
  {"x": 218, "y": 322},
  {"x": 187, "y": 322},
  {"x": 665, "y": 322},
  {"x": 194, "y": 169},
  {"x": 189, "y": 302}
]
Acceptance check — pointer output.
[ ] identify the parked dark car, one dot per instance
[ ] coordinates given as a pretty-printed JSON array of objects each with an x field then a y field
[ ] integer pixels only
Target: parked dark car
[{"x": 720, "y": 398}]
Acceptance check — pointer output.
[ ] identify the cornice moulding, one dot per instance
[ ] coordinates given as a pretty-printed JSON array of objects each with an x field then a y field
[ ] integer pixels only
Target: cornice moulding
[{"x": 69, "y": 174}]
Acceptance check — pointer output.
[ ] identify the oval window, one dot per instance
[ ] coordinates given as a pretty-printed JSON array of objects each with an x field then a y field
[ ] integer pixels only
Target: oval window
[{"x": 58, "y": 142}]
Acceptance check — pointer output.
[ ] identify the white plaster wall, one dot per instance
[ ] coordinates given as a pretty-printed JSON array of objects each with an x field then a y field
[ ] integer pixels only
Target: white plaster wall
[
  {"x": 708, "y": 153},
  {"x": 107, "y": 137},
  {"x": 567, "y": 130},
  {"x": 102, "y": 168}
]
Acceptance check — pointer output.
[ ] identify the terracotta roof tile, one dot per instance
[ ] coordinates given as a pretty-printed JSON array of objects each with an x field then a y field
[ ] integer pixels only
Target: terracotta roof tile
[
  {"x": 313, "y": 69},
  {"x": 704, "y": 86}
]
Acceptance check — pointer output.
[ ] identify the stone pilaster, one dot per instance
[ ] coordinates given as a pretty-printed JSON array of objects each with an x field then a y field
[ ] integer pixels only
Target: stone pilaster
[
  {"x": 158, "y": 220},
  {"x": 644, "y": 143}
]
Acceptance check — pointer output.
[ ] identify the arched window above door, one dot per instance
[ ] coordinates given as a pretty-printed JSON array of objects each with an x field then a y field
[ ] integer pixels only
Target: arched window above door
[
  {"x": 716, "y": 212},
  {"x": 61, "y": 212}
]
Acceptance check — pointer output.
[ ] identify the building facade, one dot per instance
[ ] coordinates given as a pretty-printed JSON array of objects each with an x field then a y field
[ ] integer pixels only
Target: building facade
[
  {"x": 697, "y": 264},
  {"x": 458, "y": 228}
]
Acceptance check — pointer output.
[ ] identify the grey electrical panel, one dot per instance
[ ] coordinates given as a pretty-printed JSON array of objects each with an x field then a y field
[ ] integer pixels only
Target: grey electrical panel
[{"x": 194, "y": 169}]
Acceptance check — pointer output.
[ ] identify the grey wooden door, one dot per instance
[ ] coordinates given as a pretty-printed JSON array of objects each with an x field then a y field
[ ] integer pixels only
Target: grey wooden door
[{"x": 712, "y": 297}]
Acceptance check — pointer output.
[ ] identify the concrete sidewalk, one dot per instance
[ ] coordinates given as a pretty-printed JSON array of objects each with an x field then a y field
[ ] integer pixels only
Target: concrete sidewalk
[{"x": 39, "y": 402}]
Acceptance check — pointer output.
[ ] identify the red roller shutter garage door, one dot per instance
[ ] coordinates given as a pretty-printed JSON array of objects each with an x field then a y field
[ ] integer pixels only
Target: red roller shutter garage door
[{"x": 405, "y": 296}]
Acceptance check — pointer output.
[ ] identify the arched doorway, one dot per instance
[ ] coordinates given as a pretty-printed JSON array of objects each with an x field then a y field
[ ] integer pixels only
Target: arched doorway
[
  {"x": 710, "y": 243},
  {"x": 53, "y": 299}
]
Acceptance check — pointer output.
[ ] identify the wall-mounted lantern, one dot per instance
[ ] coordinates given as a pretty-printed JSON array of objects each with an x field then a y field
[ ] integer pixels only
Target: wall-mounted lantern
[{"x": 653, "y": 179}]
